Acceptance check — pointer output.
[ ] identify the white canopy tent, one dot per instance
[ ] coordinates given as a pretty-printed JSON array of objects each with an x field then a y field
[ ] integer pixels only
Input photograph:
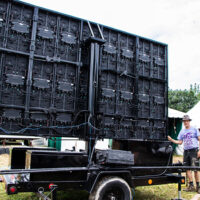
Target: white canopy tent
[
  {"x": 194, "y": 114},
  {"x": 175, "y": 113}
]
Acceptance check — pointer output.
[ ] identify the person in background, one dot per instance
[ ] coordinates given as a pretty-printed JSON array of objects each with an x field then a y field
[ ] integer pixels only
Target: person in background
[{"x": 190, "y": 138}]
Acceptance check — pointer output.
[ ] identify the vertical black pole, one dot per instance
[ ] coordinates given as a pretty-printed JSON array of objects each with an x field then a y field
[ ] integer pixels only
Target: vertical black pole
[
  {"x": 179, "y": 185},
  {"x": 91, "y": 94},
  {"x": 30, "y": 66},
  {"x": 91, "y": 86}
]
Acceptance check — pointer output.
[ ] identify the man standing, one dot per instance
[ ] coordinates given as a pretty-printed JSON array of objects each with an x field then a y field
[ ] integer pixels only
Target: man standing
[{"x": 189, "y": 136}]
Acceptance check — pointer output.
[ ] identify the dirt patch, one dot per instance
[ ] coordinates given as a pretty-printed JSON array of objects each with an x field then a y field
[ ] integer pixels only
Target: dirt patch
[
  {"x": 4, "y": 161},
  {"x": 177, "y": 159}
]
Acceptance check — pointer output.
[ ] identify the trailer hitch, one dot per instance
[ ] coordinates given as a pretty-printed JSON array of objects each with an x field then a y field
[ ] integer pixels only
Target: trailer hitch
[{"x": 51, "y": 195}]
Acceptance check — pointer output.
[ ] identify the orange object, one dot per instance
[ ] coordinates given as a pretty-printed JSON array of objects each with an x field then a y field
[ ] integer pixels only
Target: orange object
[{"x": 150, "y": 181}]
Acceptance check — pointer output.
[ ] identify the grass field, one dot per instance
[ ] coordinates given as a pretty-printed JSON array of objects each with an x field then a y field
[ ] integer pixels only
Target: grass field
[{"x": 161, "y": 192}]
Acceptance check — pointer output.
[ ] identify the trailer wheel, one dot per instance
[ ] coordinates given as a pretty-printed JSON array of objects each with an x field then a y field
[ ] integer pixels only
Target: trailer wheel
[{"x": 111, "y": 188}]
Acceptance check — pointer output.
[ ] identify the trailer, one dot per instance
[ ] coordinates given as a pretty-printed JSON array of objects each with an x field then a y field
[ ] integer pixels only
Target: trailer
[
  {"x": 108, "y": 174},
  {"x": 61, "y": 76}
]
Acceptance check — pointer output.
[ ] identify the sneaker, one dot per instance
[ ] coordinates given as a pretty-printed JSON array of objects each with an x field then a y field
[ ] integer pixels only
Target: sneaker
[
  {"x": 190, "y": 188},
  {"x": 198, "y": 190}
]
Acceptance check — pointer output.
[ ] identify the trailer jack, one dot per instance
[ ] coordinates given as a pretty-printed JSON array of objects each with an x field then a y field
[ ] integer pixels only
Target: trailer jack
[
  {"x": 179, "y": 186},
  {"x": 51, "y": 195}
]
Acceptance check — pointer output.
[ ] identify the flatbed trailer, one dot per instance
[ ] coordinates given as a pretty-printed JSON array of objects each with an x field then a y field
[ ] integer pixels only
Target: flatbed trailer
[
  {"x": 110, "y": 181},
  {"x": 91, "y": 179}
]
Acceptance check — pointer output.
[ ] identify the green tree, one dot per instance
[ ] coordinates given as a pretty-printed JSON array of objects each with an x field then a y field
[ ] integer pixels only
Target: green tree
[
  {"x": 196, "y": 89},
  {"x": 182, "y": 100},
  {"x": 198, "y": 96}
]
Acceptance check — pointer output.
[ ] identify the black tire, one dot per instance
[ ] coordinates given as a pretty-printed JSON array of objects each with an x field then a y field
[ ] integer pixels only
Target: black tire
[{"x": 111, "y": 188}]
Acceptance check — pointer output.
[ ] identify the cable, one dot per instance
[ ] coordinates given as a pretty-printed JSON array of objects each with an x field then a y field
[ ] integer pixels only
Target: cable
[
  {"x": 43, "y": 127},
  {"x": 49, "y": 127},
  {"x": 75, "y": 118},
  {"x": 156, "y": 175},
  {"x": 89, "y": 123},
  {"x": 97, "y": 129},
  {"x": 78, "y": 113},
  {"x": 89, "y": 148}
]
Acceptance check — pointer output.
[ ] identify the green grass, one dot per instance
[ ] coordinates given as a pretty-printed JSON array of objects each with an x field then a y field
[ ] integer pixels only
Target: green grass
[
  {"x": 20, "y": 196},
  {"x": 159, "y": 192}
]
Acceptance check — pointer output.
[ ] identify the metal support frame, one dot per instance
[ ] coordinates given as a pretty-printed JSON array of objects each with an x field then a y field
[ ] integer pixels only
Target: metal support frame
[
  {"x": 94, "y": 66},
  {"x": 30, "y": 66},
  {"x": 93, "y": 172},
  {"x": 52, "y": 193},
  {"x": 179, "y": 186},
  {"x": 95, "y": 44},
  {"x": 174, "y": 169},
  {"x": 91, "y": 80}
]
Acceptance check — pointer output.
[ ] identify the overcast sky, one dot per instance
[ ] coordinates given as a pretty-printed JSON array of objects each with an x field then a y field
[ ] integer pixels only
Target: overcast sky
[{"x": 175, "y": 22}]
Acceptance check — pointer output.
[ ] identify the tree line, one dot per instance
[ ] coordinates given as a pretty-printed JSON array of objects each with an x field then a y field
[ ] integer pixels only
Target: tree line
[{"x": 184, "y": 100}]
